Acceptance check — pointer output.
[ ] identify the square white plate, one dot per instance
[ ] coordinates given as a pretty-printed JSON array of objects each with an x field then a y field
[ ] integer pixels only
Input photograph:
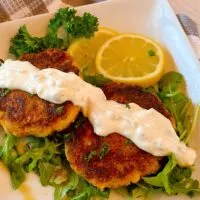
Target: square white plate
[{"x": 153, "y": 18}]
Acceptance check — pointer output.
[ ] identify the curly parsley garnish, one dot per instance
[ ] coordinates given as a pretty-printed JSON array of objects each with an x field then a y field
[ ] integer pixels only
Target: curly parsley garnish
[{"x": 73, "y": 26}]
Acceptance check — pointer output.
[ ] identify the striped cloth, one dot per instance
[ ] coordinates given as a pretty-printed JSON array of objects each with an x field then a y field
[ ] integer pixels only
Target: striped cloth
[
  {"x": 13, "y": 9},
  {"x": 192, "y": 30}
]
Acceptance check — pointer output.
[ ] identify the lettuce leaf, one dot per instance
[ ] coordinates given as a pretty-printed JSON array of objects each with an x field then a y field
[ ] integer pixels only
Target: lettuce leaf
[
  {"x": 9, "y": 154},
  {"x": 172, "y": 95},
  {"x": 31, "y": 158},
  {"x": 8, "y": 151},
  {"x": 51, "y": 174},
  {"x": 62, "y": 190},
  {"x": 22, "y": 155},
  {"x": 98, "y": 79},
  {"x": 46, "y": 157},
  {"x": 173, "y": 180},
  {"x": 17, "y": 174},
  {"x": 170, "y": 83},
  {"x": 86, "y": 191},
  {"x": 162, "y": 178},
  {"x": 78, "y": 189},
  {"x": 188, "y": 135},
  {"x": 141, "y": 193}
]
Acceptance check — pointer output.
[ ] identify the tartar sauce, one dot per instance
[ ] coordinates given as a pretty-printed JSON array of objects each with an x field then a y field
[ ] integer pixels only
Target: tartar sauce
[{"x": 148, "y": 129}]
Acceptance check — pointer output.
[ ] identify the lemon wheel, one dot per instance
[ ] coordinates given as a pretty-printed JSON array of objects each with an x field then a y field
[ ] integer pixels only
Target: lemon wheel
[
  {"x": 84, "y": 50},
  {"x": 131, "y": 58}
]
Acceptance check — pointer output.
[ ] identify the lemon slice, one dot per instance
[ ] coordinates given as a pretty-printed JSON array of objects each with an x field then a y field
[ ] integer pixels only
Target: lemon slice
[
  {"x": 84, "y": 50},
  {"x": 131, "y": 58}
]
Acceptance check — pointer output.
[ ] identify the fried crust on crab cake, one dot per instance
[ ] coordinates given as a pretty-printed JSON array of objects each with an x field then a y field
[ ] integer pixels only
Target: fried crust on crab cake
[
  {"x": 22, "y": 114},
  {"x": 123, "y": 162},
  {"x": 51, "y": 58},
  {"x": 134, "y": 94}
]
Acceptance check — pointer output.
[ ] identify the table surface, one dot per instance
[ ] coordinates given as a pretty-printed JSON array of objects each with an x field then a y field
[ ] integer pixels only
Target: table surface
[{"x": 188, "y": 7}]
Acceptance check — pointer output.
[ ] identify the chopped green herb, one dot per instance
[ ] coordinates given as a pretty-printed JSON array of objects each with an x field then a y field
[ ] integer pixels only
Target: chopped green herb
[
  {"x": 68, "y": 137},
  {"x": 128, "y": 141},
  {"x": 104, "y": 150},
  {"x": 31, "y": 95},
  {"x": 90, "y": 155},
  {"x": 59, "y": 109},
  {"x": 79, "y": 121},
  {"x": 128, "y": 106},
  {"x": 151, "y": 53},
  {"x": 4, "y": 92}
]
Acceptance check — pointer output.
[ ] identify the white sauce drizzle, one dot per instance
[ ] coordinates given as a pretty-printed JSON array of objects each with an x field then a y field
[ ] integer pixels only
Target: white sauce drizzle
[{"x": 148, "y": 129}]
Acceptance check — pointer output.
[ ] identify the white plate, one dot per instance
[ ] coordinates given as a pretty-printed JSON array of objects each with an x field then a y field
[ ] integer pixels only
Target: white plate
[{"x": 153, "y": 18}]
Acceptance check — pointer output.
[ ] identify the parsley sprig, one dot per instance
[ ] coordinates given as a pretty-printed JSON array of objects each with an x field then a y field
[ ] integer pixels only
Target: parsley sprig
[{"x": 73, "y": 26}]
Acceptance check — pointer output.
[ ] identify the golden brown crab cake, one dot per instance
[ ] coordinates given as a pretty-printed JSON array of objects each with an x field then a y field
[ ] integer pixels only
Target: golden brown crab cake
[
  {"x": 51, "y": 58},
  {"x": 22, "y": 114},
  {"x": 134, "y": 94},
  {"x": 108, "y": 162},
  {"x": 113, "y": 161}
]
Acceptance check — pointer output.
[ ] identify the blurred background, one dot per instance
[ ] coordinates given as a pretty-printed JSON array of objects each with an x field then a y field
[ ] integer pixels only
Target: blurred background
[{"x": 80, "y": 2}]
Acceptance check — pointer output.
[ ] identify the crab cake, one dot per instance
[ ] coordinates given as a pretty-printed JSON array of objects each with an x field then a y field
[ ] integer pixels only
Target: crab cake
[
  {"x": 134, "y": 94},
  {"x": 113, "y": 161},
  {"x": 22, "y": 114},
  {"x": 51, "y": 58}
]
